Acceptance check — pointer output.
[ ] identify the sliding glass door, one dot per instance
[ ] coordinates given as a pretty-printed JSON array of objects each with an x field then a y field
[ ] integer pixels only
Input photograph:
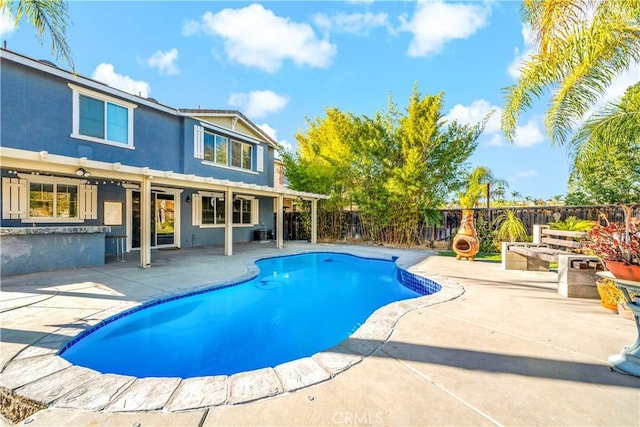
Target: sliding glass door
[{"x": 163, "y": 217}]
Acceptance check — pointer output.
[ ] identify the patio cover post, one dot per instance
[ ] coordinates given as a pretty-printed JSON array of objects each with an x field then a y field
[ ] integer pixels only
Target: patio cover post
[
  {"x": 228, "y": 222},
  {"x": 145, "y": 222},
  {"x": 280, "y": 222},
  {"x": 314, "y": 221}
]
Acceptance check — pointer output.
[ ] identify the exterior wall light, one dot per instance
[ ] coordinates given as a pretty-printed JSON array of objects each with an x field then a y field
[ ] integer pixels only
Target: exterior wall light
[{"x": 83, "y": 172}]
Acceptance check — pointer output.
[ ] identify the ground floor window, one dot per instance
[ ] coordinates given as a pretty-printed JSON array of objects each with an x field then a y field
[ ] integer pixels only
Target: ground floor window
[
  {"x": 213, "y": 209},
  {"x": 242, "y": 211},
  {"x": 48, "y": 199},
  {"x": 53, "y": 200},
  {"x": 209, "y": 209}
]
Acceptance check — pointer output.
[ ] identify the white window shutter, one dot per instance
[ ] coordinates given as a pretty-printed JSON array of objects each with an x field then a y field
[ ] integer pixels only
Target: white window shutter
[
  {"x": 260, "y": 158},
  {"x": 255, "y": 211},
  {"x": 14, "y": 198},
  {"x": 88, "y": 202},
  {"x": 198, "y": 142},
  {"x": 196, "y": 210}
]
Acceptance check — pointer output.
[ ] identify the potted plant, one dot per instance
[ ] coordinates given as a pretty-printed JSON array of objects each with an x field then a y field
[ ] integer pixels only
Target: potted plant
[
  {"x": 612, "y": 298},
  {"x": 618, "y": 245},
  {"x": 610, "y": 295}
]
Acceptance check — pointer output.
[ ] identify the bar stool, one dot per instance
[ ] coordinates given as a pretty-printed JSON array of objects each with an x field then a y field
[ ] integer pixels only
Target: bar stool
[{"x": 120, "y": 242}]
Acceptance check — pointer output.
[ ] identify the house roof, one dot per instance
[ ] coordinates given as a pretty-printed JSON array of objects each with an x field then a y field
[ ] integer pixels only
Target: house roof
[
  {"x": 233, "y": 114},
  {"x": 51, "y": 68}
]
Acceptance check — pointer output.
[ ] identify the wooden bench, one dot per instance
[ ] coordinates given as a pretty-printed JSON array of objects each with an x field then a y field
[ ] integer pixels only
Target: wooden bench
[{"x": 576, "y": 272}]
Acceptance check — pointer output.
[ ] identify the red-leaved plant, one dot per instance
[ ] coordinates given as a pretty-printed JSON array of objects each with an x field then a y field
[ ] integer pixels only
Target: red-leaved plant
[{"x": 616, "y": 242}]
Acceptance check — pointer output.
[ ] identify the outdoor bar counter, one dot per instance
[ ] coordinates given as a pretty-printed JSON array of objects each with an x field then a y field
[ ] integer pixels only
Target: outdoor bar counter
[{"x": 35, "y": 249}]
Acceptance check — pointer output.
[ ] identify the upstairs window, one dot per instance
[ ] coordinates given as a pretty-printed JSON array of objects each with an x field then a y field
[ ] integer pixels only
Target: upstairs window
[
  {"x": 221, "y": 151},
  {"x": 100, "y": 118},
  {"x": 241, "y": 155},
  {"x": 215, "y": 148}
]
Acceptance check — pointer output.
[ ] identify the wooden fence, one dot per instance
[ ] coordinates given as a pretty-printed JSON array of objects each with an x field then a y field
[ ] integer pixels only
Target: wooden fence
[{"x": 450, "y": 220}]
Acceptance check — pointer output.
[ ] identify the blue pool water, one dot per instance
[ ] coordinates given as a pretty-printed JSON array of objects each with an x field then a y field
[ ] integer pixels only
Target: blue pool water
[{"x": 297, "y": 306}]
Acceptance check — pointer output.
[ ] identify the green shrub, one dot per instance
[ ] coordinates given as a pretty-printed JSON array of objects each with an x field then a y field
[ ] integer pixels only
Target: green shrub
[
  {"x": 485, "y": 234},
  {"x": 572, "y": 223}
]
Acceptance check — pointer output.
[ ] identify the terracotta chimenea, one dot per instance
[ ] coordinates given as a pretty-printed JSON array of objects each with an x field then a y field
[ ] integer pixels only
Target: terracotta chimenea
[{"x": 466, "y": 243}]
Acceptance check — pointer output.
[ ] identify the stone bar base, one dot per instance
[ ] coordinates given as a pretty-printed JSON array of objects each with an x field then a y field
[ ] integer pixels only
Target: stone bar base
[{"x": 35, "y": 249}]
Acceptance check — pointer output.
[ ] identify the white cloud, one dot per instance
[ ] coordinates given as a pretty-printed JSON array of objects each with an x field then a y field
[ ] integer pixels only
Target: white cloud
[
  {"x": 274, "y": 135},
  {"x": 496, "y": 140},
  {"x": 619, "y": 86},
  {"x": 528, "y": 174},
  {"x": 522, "y": 55},
  {"x": 191, "y": 27},
  {"x": 107, "y": 75},
  {"x": 475, "y": 113},
  {"x": 436, "y": 23},
  {"x": 165, "y": 61},
  {"x": 7, "y": 25},
  {"x": 351, "y": 23},
  {"x": 529, "y": 134},
  {"x": 258, "y": 103},
  {"x": 256, "y": 37}
]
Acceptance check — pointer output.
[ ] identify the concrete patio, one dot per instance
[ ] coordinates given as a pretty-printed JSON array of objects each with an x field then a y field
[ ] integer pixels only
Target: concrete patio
[{"x": 496, "y": 348}]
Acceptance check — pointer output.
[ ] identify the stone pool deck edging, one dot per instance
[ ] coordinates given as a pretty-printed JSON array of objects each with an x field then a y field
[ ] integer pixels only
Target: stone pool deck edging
[{"x": 37, "y": 374}]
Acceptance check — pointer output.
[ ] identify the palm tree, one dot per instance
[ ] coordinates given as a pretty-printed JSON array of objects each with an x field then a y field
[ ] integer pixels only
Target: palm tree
[
  {"x": 516, "y": 196},
  {"x": 500, "y": 191},
  {"x": 478, "y": 184},
  {"x": 50, "y": 16},
  {"x": 581, "y": 46}
]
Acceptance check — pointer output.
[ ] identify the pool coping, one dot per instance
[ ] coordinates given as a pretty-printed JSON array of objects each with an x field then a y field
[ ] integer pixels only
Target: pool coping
[{"x": 38, "y": 375}]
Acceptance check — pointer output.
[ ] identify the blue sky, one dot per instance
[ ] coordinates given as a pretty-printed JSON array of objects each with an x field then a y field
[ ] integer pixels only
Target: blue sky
[{"x": 279, "y": 62}]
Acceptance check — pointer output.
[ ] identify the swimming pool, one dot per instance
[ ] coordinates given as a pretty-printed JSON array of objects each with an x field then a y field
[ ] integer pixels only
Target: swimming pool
[{"x": 295, "y": 307}]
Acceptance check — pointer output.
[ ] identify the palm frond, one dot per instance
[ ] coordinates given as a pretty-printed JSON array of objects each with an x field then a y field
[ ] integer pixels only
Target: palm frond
[
  {"x": 552, "y": 22},
  {"x": 582, "y": 46},
  {"x": 592, "y": 64},
  {"x": 616, "y": 122},
  {"x": 52, "y": 17},
  {"x": 535, "y": 79}
]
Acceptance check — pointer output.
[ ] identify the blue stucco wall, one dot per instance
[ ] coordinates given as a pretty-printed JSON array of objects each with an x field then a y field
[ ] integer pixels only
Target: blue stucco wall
[{"x": 37, "y": 114}]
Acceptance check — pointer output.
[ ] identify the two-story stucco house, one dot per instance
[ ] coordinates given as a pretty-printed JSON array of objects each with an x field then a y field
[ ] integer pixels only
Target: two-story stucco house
[{"x": 88, "y": 169}]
